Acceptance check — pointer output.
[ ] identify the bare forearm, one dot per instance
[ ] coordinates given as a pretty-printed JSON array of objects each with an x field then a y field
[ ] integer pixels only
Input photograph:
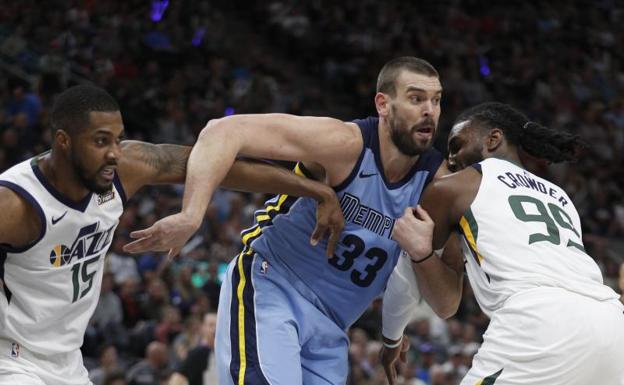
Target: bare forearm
[
  {"x": 258, "y": 177},
  {"x": 440, "y": 285},
  {"x": 209, "y": 161}
]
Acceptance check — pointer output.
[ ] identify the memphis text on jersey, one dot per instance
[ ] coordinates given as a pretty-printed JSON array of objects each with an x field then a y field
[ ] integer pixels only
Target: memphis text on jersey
[{"x": 365, "y": 216}]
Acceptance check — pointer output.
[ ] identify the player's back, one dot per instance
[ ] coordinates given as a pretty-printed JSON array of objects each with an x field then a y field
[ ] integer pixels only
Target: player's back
[
  {"x": 344, "y": 285},
  {"x": 52, "y": 286},
  {"x": 523, "y": 232}
]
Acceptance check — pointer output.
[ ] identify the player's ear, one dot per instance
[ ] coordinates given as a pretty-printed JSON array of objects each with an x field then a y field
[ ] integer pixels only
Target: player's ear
[
  {"x": 62, "y": 139},
  {"x": 494, "y": 139},
  {"x": 382, "y": 104}
]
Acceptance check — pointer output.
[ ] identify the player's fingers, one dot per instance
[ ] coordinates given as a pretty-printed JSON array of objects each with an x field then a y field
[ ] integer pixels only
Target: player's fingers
[
  {"x": 387, "y": 360},
  {"x": 317, "y": 234},
  {"x": 423, "y": 214},
  {"x": 142, "y": 233},
  {"x": 334, "y": 236},
  {"x": 139, "y": 246},
  {"x": 388, "y": 369},
  {"x": 173, "y": 253},
  {"x": 392, "y": 378}
]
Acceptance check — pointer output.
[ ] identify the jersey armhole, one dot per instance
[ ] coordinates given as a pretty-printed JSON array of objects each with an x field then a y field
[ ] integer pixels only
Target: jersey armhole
[
  {"x": 26, "y": 195},
  {"x": 366, "y": 129},
  {"x": 431, "y": 160},
  {"x": 120, "y": 189}
]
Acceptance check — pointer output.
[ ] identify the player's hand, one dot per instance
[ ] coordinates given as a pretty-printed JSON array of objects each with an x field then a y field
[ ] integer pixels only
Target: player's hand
[
  {"x": 389, "y": 357},
  {"x": 329, "y": 218},
  {"x": 168, "y": 234},
  {"x": 414, "y": 232}
]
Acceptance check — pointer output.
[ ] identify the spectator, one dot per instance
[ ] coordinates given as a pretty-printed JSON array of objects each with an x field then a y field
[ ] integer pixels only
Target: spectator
[
  {"x": 152, "y": 369},
  {"x": 199, "y": 367}
]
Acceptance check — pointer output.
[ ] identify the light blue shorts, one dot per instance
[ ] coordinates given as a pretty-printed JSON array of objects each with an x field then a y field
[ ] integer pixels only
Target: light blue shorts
[{"x": 268, "y": 332}]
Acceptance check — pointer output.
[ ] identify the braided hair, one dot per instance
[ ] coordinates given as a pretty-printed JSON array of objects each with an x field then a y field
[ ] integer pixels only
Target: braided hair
[{"x": 537, "y": 140}]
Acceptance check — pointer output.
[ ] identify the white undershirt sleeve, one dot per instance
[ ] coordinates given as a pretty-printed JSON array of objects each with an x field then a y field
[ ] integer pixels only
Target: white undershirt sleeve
[{"x": 400, "y": 299}]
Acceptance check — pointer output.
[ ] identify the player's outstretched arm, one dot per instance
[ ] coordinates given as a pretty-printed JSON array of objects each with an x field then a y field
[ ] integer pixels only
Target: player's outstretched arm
[
  {"x": 259, "y": 177},
  {"x": 146, "y": 163},
  {"x": 332, "y": 143},
  {"x": 329, "y": 142}
]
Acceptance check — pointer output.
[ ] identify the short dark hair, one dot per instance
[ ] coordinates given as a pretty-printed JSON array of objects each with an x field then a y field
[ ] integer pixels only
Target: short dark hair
[
  {"x": 537, "y": 140},
  {"x": 71, "y": 107},
  {"x": 392, "y": 69}
]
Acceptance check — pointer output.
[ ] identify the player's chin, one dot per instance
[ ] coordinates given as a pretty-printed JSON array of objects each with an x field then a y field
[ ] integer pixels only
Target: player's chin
[
  {"x": 102, "y": 187},
  {"x": 423, "y": 144}
]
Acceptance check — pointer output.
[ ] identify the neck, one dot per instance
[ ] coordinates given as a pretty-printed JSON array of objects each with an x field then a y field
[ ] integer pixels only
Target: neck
[
  {"x": 510, "y": 156},
  {"x": 60, "y": 174},
  {"x": 395, "y": 164}
]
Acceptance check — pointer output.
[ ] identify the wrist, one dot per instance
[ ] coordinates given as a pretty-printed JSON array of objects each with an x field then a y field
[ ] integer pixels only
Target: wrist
[
  {"x": 421, "y": 259},
  {"x": 389, "y": 343},
  {"x": 193, "y": 218},
  {"x": 325, "y": 194}
]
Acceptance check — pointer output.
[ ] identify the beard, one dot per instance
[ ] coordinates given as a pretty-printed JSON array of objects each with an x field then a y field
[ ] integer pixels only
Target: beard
[
  {"x": 89, "y": 181},
  {"x": 402, "y": 136}
]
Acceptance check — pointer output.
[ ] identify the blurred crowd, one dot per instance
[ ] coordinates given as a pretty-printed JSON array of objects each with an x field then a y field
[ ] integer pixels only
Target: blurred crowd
[{"x": 173, "y": 65}]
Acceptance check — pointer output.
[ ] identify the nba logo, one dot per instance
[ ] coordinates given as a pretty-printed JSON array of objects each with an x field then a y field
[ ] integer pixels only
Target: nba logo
[
  {"x": 14, "y": 350},
  {"x": 264, "y": 267}
]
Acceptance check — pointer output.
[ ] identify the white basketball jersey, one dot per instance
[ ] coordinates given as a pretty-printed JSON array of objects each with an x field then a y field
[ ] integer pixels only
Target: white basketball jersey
[
  {"x": 51, "y": 287},
  {"x": 522, "y": 232}
]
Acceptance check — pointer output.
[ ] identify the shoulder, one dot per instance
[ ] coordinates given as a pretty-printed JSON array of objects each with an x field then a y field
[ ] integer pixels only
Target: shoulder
[
  {"x": 457, "y": 190},
  {"x": 20, "y": 222},
  {"x": 365, "y": 129},
  {"x": 433, "y": 161},
  {"x": 14, "y": 204},
  {"x": 11, "y": 200},
  {"x": 457, "y": 182}
]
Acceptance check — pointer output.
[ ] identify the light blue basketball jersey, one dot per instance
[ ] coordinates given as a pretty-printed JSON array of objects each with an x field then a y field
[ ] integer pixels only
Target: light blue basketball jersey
[{"x": 344, "y": 285}]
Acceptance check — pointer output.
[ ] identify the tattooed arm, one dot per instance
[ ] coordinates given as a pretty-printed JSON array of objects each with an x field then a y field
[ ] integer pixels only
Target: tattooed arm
[{"x": 144, "y": 163}]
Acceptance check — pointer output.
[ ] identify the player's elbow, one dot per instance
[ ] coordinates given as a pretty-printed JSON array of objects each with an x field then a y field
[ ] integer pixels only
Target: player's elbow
[
  {"x": 448, "y": 310},
  {"x": 447, "y": 307},
  {"x": 213, "y": 127}
]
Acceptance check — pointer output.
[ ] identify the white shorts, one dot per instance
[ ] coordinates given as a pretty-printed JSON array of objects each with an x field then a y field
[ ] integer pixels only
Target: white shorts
[
  {"x": 20, "y": 366},
  {"x": 550, "y": 336}
]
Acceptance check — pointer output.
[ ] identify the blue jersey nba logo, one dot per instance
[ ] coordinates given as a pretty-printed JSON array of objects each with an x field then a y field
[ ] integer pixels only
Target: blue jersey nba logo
[{"x": 298, "y": 309}]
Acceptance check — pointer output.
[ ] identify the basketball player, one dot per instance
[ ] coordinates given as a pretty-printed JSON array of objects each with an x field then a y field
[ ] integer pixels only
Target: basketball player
[
  {"x": 59, "y": 213},
  {"x": 553, "y": 321},
  {"x": 285, "y": 306}
]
